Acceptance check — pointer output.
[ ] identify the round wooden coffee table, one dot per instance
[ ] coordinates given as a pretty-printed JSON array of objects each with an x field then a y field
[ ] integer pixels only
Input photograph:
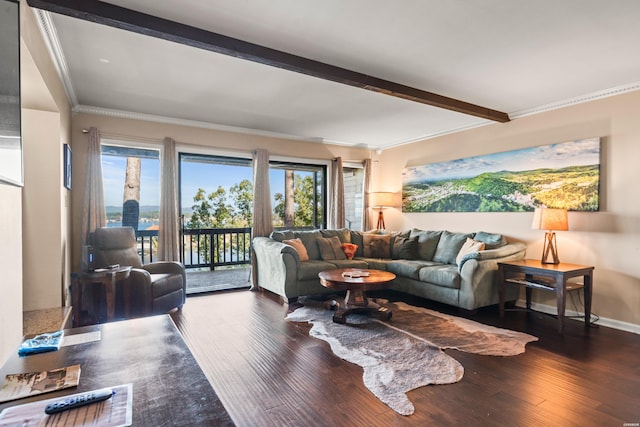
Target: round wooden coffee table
[{"x": 357, "y": 282}]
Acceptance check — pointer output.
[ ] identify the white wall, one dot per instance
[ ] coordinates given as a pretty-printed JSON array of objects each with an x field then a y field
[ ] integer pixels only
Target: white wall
[
  {"x": 608, "y": 239},
  {"x": 43, "y": 257}
]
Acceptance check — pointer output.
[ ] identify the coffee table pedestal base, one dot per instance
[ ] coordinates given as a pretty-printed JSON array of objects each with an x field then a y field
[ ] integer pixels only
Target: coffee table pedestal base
[{"x": 356, "y": 301}]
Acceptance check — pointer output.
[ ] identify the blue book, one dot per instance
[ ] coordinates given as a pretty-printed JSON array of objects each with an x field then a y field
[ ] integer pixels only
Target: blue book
[{"x": 49, "y": 341}]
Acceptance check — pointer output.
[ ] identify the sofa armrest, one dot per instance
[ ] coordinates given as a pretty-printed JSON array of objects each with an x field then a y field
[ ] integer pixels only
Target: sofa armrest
[
  {"x": 277, "y": 265},
  {"x": 505, "y": 251},
  {"x": 479, "y": 287}
]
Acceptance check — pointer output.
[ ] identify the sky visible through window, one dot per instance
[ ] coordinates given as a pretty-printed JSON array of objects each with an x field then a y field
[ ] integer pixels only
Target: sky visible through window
[{"x": 194, "y": 176}]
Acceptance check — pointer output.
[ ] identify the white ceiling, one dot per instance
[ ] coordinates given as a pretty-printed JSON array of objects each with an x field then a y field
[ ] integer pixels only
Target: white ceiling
[{"x": 515, "y": 56}]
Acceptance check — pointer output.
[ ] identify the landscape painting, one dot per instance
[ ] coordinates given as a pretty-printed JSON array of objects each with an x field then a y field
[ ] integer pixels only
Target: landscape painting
[{"x": 564, "y": 176}]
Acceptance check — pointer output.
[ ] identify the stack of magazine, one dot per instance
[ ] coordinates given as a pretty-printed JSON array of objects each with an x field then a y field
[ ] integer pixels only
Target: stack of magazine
[{"x": 17, "y": 386}]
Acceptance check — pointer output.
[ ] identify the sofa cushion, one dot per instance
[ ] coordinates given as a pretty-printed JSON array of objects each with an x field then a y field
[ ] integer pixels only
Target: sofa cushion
[
  {"x": 344, "y": 234},
  {"x": 330, "y": 248},
  {"x": 397, "y": 234},
  {"x": 349, "y": 263},
  {"x": 405, "y": 248},
  {"x": 470, "y": 247},
  {"x": 309, "y": 270},
  {"x": 281, "y": 235},
  {"x": 376, "y": 263},
  {"x": 299, "y": 247},
  {"x": 357, "y": 237},
  {"x": 448, "y": 246},
  {"x": 377, "y": 245},
  {"x": 162, "y": 284},
  {"x": 491, "y": 241},
  {"x": 309, "y": 240},
  {"x": 441, "y": 275},
  {"x": 407, "y": 268},
  {"x": 427, "y": 243}
]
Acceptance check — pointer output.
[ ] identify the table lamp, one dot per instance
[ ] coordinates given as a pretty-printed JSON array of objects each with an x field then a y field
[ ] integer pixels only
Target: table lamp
[
  {"x": 380, "y": 200},
  {"x": 550, "y": 220}
]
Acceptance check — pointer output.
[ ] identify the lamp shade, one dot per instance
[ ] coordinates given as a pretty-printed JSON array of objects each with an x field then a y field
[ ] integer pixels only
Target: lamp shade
[
  {"x": 550, "y": 219},
  {"x": 381, "y": 200}
]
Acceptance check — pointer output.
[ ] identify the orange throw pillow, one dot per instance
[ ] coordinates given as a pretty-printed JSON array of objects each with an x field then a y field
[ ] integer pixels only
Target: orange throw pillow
[
  {"x": 349, "y": 249},
  {"x": 299, "y": 247}
]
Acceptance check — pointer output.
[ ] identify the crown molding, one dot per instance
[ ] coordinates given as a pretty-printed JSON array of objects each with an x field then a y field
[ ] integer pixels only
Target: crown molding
[
  {"x": 594, "y": 96},
  {"x": 51, "y": 40},
  {"x": 606, "y": 93},
  {"x": 437, "y": 134},
  {"x": 120, "y": 114}
]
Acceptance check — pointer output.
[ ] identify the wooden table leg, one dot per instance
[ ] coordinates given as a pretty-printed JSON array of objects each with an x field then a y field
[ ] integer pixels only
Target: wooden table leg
[
  {"x": 110, "y": 296},
  {"x": 501, "y": 290},
  {"x": 561, "y": 296},
  {"x": 76, "y": 300},
  {"x": 356, "y": 301},
  {"x": 588, "y": 288}
]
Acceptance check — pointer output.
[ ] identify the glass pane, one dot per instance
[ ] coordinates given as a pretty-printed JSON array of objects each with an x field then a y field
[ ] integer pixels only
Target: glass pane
[
  {"x": 353, "y": 194},
  {"x": 131, "y": 198},
  {"x": 216, "y": 192},
  {"x": 309, "y": 197}
]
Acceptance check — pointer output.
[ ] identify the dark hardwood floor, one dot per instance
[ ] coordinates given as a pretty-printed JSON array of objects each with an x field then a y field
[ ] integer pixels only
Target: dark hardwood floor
[{"x": 269, "y": 372}]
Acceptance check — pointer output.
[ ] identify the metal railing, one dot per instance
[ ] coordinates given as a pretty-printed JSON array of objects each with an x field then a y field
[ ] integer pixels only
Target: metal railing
[
  {"x": 147, "y": 245},
  {"x": 215, "y": 247},
  {"x": 202, "y": 247}
]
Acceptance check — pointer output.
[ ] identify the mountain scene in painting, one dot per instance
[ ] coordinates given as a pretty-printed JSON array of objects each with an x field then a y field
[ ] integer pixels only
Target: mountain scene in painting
[{"x": 565, "y": 175}]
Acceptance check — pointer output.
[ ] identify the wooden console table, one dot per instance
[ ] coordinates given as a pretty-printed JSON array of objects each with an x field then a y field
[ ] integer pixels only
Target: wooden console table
[
  {"x": 168, "y": 385},
  {"x": 548, "y": 277},
  {"x": 107, "y": 279}
]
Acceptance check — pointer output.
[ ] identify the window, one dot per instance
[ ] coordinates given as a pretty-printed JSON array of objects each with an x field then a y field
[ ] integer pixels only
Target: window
[
  {"x": 131, "y": 183},
  {"x": 216, "y": 191},
  {"x": 299, "y": 195}
]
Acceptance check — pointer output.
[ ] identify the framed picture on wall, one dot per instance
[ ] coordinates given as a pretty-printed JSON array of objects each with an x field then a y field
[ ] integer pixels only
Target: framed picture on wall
[
  {"x": 67, "y": 167},
  {"x": 564, "y": 175}
]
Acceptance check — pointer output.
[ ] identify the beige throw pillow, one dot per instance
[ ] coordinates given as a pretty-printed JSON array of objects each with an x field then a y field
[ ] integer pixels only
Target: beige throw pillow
[
  {"x": 377, "y": 245},
  {"x": 299, "y": 247},
  {"x": 469, "y": 246}
]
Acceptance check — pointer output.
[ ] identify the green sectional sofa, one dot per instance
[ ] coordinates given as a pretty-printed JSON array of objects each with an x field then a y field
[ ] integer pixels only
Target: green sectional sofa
[{"x": 427, "y": 264}]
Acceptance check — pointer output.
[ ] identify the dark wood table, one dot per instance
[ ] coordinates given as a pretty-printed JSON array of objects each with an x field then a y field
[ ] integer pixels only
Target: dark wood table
[
  {"x": 169, "y": 388},
  {"x": 107, "y": 280},
  {"x": 533, "y": 274},
  {"x": 356, "y": 300}
]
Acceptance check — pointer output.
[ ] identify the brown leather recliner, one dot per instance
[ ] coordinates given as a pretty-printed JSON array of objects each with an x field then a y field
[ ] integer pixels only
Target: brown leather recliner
[{"x": 156, "y": 288}]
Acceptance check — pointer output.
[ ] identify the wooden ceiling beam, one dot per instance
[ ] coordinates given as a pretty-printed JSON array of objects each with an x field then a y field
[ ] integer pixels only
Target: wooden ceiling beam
[{"x": 141, "y": 23}]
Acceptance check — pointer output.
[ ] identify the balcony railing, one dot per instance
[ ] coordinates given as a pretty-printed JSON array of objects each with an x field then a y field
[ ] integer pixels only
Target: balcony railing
[{"x": 202, "y": 247}]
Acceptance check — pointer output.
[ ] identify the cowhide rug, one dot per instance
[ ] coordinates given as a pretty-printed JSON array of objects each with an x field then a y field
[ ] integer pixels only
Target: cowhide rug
[{"x": 407, "y": 352}]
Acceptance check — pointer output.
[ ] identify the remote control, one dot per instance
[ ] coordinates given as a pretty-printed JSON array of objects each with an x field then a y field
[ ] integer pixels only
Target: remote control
[{"x": 79, "y": 400}]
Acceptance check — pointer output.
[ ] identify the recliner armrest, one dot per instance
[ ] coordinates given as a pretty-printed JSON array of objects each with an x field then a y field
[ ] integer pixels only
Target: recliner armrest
[{"x": 164, "y": 267}]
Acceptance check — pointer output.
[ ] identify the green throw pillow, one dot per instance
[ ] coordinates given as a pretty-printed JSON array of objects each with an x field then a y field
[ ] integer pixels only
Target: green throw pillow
[
  {"x": 427, "y": 243},
  {"x": 330, "y": 248},
  {"x": 449, "y": 246},
  {"x": 405, "y": 248}
]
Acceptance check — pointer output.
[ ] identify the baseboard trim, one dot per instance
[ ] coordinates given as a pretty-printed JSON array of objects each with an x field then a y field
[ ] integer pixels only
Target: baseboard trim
[{"x": 603, "y": 321}]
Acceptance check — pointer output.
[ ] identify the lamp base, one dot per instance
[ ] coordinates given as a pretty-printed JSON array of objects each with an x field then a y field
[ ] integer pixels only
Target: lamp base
[
  {"x": 550, "y": 249},
  {"x": 380, "y": 225}
]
